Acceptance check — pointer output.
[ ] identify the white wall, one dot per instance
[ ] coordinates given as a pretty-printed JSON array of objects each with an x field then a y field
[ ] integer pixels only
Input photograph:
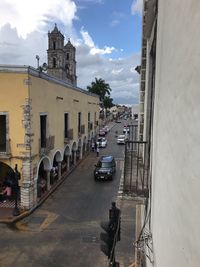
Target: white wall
[{"x": 176, "y": 136}]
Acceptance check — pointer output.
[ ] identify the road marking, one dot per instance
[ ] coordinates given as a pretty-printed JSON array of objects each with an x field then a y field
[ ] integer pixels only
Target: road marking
[
  {"x": 51, "y": 217},
  {"x": 45, "y": 217}
]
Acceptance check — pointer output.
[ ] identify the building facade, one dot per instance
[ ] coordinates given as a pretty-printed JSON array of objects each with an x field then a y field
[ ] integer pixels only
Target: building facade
[
  {"x": 46, "y": 127},
  {"x": 169, "y": 231},
  {"x": 61, "y": 58}
]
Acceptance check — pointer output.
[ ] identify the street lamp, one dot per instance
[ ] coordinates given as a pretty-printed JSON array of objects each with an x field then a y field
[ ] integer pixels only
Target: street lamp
[{"x": 38, "y": 60}]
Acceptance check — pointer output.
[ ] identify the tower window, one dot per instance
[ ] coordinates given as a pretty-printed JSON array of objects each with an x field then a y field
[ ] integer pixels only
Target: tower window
[
  {"x": 67, "y": 58},
  {"x": 54, "y": 62},
  {"x": 54, "y": 45}
]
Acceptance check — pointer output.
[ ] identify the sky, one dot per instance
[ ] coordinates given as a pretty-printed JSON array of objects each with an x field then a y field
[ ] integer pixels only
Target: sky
[{"x": 106, "y": 34}]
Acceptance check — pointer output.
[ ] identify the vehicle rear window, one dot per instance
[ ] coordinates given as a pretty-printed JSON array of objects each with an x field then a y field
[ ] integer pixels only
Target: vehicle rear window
[{"x": 104, "y": 164}]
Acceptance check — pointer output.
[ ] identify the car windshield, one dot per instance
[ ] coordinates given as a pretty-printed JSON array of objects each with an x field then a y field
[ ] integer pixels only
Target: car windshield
[{"x": 104, "y": 164}]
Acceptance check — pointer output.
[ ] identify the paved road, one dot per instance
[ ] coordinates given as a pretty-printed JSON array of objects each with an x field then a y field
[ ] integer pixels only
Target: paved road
[{"x": 65, "y": 230}]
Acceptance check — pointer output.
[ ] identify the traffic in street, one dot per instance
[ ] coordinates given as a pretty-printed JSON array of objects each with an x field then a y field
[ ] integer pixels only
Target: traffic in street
[{"x": 65, "y": 229}]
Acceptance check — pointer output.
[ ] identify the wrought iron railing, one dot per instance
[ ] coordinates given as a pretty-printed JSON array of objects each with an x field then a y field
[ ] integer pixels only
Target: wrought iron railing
[
  {"x": 5, "y": 149},
  {"x": 47, "y": 145},
  {"x": 136, "y": 169}
]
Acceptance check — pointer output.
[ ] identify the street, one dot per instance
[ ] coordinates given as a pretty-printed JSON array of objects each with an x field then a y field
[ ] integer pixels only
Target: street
[{"x": 65, "y": 229}]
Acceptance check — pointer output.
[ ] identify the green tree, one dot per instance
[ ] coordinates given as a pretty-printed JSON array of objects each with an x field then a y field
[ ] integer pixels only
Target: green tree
[
  {"x": 99, "y": 87},
  {"x": 108, "y": 102}
]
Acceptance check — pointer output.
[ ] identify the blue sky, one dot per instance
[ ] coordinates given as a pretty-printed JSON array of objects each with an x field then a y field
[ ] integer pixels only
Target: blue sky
[
  {"x": 111, "y": 22},
  {"x": 106, "y": 34}
]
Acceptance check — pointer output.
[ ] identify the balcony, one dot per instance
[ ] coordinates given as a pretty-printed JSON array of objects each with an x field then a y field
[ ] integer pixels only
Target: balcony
[
  {"x": 82, "y": 129},
  {"x": 136, "y": 169},
  {"x": 68, "y": 135},
  {"x": 46, "y": 145},
  {"x": 90, "y": 126},
  {"x": 5, "y": 150}
]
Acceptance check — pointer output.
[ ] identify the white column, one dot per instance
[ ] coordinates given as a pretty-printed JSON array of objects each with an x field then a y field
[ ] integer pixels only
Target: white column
[
  {"x": 48, "y": 179},
  {"x": 68, "y": 158},
  {"x": 59, "y": 170},
  {"x": 74, "y": 157}
]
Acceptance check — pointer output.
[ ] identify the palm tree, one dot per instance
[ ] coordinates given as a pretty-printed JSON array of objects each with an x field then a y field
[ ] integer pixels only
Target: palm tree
[{"x": 99, "y": 87}]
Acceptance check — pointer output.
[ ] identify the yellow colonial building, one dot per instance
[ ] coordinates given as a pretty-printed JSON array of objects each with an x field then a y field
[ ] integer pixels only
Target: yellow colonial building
[{"x": 46, "y": 127}]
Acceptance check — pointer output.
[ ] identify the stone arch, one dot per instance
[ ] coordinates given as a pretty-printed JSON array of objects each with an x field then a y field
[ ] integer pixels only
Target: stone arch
[
  {"x": 4, "y": 170},
  {"x": 73, "y": 154},
  {"x": 79, "y": 150},
  {"x": 65, "y": 166},
  {"x": 43, "y": 171},
  {"x": 84, "y": 148},
  {"x": 74, "y": 146},
  {"x": 57, "y": 156},
  {"x": 55, "y": 173},
  {"x": 67, "y": 151}
]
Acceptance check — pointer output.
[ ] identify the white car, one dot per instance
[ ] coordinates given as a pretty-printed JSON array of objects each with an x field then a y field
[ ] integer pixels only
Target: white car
[
  {"x": 121, "y": 139},
  {"x": 101, "y": 142}
]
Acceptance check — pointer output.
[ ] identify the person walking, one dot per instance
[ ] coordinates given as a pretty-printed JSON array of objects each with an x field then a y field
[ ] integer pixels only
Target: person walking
[
  {"x": 93, "y": 146},
  {"x": 97, "y": 150}
]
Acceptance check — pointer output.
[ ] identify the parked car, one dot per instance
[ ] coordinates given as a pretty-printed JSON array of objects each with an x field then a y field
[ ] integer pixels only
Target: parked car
[
  {"x": 126, "y": 129},
  {"x": 121, "y": 139},
  {"x": 105, "y": 168},
  {"x": 102, "y": 132},
  {"x": 101, "y": 142}
]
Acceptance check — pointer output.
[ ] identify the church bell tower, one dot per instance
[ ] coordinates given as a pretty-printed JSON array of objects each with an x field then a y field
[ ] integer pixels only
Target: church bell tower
[{"x": 61, "y": 59}]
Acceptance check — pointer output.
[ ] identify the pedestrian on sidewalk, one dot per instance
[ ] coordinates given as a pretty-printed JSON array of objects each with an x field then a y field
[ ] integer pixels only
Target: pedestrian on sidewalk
[
  {"x": 97, "y": 150},
  {"x": 93, "y": 146}
]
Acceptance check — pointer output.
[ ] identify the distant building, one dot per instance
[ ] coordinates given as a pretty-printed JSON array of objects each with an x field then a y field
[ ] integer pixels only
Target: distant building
[{"x": 61, "y": 58}]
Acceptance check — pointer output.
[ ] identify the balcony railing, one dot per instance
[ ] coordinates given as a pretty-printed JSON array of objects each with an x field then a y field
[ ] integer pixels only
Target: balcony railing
[
  {"x": 5, "y": 149},
  {"x": 82, "y": 129},
  {"x": 47, "y": 144},
  {"x": 136, "y": 169},
  {"x": 68, "y": 136},
  {"x": 90, "y": 126}
]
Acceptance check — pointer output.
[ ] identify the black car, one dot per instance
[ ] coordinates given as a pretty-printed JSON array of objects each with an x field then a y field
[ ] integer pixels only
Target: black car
[{"x": 105, "y": 168}]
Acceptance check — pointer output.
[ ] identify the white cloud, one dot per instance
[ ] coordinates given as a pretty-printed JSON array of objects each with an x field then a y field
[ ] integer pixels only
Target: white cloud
[
  {"x": 23, "y": 35},
  {"x": 116, "y": 72},
  {"x": 94, "y": 49},
  {"x": 137, "y": 7},
  {"x": 28, "y": 16}
]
